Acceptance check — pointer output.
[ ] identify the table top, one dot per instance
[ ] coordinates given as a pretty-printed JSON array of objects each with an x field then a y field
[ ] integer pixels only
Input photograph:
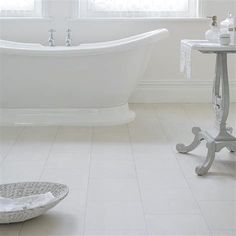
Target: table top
[{"x": 205, "y": 46}]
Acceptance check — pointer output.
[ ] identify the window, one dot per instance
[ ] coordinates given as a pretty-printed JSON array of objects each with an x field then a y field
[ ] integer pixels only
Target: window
[
  {"x": 138, "y": 8},
  {"x": 24, "y": 8}
]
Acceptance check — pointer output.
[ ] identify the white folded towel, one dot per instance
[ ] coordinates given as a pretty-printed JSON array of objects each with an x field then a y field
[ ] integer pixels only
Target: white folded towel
[{"x": 24, "y": 203}]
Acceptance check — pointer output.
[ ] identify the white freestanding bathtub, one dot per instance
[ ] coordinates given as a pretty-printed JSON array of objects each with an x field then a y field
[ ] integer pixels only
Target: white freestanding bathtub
[{"x": 89, "y": 84}]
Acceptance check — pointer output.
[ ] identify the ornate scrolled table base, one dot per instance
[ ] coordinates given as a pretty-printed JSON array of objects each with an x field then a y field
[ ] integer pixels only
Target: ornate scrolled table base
[
  {"x": 212, "y": 145},
  {"x": 221, "y": 101}
]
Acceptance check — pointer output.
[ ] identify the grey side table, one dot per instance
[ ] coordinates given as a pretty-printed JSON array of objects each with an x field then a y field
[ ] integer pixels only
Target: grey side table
[{"x": 223, "y": 137}]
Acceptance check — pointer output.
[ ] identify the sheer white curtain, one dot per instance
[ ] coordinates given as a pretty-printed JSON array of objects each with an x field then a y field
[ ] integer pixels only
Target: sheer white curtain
[
  {"x": 20, "y": 7},
  {"x": 139, "y": 8}
]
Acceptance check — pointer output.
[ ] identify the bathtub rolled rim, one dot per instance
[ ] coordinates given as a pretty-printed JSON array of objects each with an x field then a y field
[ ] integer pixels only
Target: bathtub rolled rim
[{"x": 128, "y": 43}]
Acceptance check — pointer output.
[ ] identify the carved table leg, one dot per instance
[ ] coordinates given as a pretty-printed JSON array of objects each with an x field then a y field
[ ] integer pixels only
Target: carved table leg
[
  {"x": 203, "y": 169},
  {"x": 197, "y": 140}
]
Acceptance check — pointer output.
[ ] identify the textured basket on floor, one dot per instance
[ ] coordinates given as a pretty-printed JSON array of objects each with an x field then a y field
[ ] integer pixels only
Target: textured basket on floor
[{"x": 17, "y": 190}]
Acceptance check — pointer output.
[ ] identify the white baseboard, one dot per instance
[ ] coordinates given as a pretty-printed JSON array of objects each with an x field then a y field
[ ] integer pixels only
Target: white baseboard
[{"x": 177, "y": 91}]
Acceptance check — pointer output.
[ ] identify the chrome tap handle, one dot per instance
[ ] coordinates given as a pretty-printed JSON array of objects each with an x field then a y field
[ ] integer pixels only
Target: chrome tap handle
[
  {"x": 68, "y": 38},
  {"x": 51, "y": 39},
  {"x": 52, "y": 31}
]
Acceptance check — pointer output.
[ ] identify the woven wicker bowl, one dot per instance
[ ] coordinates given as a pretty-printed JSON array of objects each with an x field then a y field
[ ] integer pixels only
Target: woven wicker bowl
[{"x": 17, "y": 190}]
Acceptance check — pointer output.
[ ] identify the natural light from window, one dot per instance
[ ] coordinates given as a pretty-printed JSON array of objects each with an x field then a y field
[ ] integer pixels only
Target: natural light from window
[
  {"x": 140, "y": 5},
  {"x": 138, "y": 8},
  {"x": 17, "y": 5}
]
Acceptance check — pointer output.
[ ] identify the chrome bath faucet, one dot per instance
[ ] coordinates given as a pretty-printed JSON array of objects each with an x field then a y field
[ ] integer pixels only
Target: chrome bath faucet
[{"x": 51, "y": 39}]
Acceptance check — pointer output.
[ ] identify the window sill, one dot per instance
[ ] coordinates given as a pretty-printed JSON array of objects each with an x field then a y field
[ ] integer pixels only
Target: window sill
[
  {"x": 20, "y": 18},
  {"x": 176, "y": 19}
]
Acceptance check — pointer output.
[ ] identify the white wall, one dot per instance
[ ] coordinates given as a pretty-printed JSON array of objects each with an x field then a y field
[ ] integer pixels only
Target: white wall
[{"x": 162, "y": 81}]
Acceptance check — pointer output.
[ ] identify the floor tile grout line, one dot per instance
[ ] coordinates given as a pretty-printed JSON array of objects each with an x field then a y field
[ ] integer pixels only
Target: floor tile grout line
[
  {"x": 14, "y": 143},
  {"x": 89, "y": 172},
  {"x": 10, "y": 149},
  {"x": 49, "y": 152},
  {"x": 138, "y": 182},
  {"x": 20, "y": 229},
  {"x": 173, "y": 214},
  {"x": 194, "y": 197},
  {"x": 180, "y": 168}
]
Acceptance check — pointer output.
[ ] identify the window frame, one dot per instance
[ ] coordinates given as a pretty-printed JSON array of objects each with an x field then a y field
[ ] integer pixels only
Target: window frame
[
  {"x": 84, "y": 11},
  {"x": 39, "y": 10}
]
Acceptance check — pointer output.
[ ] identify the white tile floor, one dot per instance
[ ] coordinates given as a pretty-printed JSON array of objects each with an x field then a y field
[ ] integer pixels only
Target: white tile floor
[{"x": 125, "y": 180}]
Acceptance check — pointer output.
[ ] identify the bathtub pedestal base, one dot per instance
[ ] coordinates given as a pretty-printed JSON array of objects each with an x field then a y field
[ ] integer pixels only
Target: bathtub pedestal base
[{"x": 81, "y": 117}]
